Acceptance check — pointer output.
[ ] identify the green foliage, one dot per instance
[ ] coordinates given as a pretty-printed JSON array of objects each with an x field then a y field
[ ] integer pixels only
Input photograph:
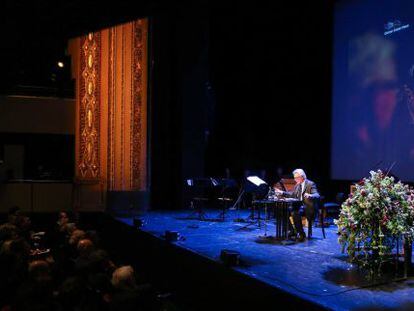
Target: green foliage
[{"x": 378, "y": 213}]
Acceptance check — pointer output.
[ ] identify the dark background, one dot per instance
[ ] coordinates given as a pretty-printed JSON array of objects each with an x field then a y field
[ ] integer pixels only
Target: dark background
[{"x": 238, "y": 86}]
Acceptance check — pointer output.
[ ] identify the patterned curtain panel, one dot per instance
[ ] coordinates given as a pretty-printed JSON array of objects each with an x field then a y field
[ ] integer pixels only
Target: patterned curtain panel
[{"x": 111, "y": 134}]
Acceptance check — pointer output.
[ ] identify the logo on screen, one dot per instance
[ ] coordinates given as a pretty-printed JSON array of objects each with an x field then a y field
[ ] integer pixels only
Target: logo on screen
[{"x": 394, "y": 26}]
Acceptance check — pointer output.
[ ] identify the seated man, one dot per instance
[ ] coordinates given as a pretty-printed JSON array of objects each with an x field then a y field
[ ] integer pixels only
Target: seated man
[{"x": 306, "y": 191}]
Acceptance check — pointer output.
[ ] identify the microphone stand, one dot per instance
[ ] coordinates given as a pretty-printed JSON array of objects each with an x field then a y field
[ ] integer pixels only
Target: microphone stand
[{"x": 391, "y": 166}]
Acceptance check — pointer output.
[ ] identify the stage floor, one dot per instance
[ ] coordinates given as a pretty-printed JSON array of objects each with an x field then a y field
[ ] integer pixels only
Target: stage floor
[{"x": 314, "y": 270}]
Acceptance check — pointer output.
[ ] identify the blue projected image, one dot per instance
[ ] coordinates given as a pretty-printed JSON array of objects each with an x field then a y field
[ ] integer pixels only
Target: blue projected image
[{"x": 373, "y": 89}]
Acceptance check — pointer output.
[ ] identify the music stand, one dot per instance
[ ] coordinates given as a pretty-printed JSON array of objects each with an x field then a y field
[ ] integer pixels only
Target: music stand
[
  {"x": 198, "y": 198},
  {"x": 225, "y": 184},
  {"x": 259, "y": 189}
]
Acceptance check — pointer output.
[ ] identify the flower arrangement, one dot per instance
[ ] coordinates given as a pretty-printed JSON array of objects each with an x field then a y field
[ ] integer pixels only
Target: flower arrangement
[{"x": 374, "y": 217}]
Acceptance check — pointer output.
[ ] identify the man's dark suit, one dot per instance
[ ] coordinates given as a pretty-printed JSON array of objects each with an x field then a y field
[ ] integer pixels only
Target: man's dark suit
[{"x": 308, "y": 203}]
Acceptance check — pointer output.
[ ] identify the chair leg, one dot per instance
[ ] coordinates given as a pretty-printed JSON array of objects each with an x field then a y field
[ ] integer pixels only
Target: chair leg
[
  {"x": 323, "y": 224},
  {"x": 310, "y": 224}
]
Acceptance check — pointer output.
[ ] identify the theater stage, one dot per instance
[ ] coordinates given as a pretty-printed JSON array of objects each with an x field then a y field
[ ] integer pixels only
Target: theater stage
[{"x": 314, "y": 272}]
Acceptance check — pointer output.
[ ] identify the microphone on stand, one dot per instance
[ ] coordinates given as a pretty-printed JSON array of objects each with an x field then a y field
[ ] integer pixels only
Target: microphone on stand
[{"x": 391, "y": 166}]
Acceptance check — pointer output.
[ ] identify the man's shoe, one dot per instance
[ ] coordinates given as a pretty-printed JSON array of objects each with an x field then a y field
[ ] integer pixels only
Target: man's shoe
[{"x": 301, "y": 237}]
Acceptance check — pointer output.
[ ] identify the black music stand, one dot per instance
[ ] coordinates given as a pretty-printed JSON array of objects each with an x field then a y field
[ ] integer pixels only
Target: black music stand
[
  {"x": 198, "y": 187},
  {"x": 259, "y": 189},
  {"x": 226, "y": 185}
]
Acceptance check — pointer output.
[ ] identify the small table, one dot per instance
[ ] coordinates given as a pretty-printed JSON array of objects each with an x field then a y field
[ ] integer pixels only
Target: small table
[{"x": 280, "y": 209}]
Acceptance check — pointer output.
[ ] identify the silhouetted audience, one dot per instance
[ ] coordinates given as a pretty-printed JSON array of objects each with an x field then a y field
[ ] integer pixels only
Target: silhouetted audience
[
  {"x": 64, "y": 269},
  {"x": 36, "y": 293}
]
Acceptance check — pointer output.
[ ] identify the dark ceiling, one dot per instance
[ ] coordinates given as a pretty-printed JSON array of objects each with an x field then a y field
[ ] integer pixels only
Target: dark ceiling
[{"x": 36, "y": 32}]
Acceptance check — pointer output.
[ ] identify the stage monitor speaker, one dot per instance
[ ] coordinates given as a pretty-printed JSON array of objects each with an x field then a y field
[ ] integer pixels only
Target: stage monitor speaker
[
  {"x": 230, "y": 257},
  {"x": 172, "y": 236},
  {"x": 138, "y": 222}
]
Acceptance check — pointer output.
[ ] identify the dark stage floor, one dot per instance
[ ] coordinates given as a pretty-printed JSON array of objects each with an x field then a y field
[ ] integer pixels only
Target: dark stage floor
[{"x": 314, "y": 270}]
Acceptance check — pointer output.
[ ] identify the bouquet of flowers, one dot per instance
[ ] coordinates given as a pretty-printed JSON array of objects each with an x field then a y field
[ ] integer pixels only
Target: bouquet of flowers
[{"x": 374, "y": 217}]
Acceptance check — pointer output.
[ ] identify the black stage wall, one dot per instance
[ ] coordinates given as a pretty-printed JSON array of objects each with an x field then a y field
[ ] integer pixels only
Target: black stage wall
[
  {"x": 180, "y": 105},
  {"x": 240, "y": 87}
]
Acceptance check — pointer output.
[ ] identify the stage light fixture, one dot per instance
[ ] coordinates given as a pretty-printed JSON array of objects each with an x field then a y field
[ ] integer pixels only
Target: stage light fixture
[
  {"x": 230, "y": 257},
  {"x": 138, "y": 222},
  {"x": 61, "y": 64},
  {"x": 172, "y": 236}
]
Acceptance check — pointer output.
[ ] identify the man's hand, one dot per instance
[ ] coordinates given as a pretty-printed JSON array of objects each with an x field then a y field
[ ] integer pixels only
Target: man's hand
[
  {"x": 278, "y": 191},
  {"x": 307, "y": 195}
]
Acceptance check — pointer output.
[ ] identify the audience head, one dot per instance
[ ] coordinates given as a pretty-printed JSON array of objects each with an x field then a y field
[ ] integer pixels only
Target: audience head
[
  {"x": 68, "y": 228},
  {"x": 18, "y": 248},
  {"x": 13, "y": 214},
  {"x": 76, "y": 236},
  {"x": 93, "y": 236},
  {"x": 123, "y": 278},
  {"x": 14, "y": 210},
  {"x": 39, "y": 271},
  {"x": 63, "y": 218},
  {"x": 17, "y": 218},
  {"x": 8, "y": 232},
  {"x": 85, "y": 247},
  {"x": 5, "y": 247},
  {"x": 23, "y": 222}
]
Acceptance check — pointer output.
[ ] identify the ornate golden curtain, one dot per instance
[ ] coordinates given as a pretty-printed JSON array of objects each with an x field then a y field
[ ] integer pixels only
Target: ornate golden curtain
[{"x": 110, "y": 67}]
